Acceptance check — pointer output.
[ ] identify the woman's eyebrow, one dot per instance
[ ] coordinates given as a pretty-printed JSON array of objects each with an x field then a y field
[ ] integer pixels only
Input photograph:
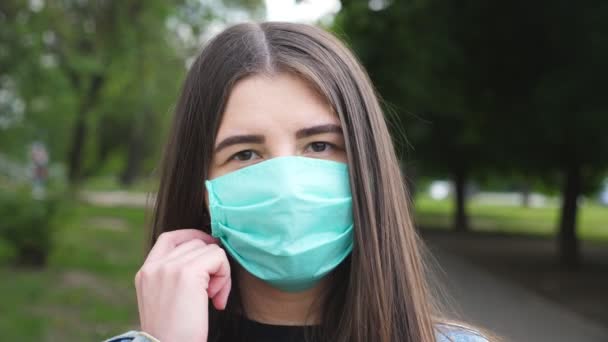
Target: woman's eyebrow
[
  {"x": 329, "y": 128},
  {"x": 239, "y": 139}
]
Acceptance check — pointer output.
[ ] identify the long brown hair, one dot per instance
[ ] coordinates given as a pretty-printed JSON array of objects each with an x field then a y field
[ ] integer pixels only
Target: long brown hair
[{"x": 380, "y": 293}]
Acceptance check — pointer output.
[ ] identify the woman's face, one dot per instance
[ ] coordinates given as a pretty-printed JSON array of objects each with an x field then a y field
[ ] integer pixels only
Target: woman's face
[{"x": 268, "y": 117}]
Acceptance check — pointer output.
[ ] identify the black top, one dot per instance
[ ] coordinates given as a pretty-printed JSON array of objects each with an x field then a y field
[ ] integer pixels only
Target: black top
[
  {"x": 237, "y": 328},
  {"x": 245, "y": 329}
]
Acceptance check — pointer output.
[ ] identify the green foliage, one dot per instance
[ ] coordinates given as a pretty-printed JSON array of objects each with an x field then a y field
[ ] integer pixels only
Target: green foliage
[
  {"x": 491, "y": 87},
  {"x": 27, "y": 226},
  {"x": 509, "y": 88},
  {"x": 97, "y": 79},
  {"x": 423, "y": 74}
]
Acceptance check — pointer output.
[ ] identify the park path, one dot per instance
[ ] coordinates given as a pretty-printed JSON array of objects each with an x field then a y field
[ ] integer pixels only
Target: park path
[
  {"x": 503, "y": 307},
  {"x": 117, "y": 198},
  {"x": 510, "y": 311}
]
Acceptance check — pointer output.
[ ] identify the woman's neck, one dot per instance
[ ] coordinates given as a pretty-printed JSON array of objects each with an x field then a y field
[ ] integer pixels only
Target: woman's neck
[{"x": 266, "y": 304}]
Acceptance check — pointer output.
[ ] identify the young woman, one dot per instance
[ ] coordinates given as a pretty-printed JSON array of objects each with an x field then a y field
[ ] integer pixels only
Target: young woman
[{"x": 281, "y": 203}]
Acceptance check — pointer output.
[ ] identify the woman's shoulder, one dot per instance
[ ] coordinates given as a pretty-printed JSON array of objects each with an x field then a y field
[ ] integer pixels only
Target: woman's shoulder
[
  {"x": 452, "y": 332},
  {"x": 445, "y": 332}
]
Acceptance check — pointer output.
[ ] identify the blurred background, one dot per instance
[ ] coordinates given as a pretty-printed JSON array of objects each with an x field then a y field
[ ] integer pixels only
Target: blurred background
[{"x": 498, "y": 110}]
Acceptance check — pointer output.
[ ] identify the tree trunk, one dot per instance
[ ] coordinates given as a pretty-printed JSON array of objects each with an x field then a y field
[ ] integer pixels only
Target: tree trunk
[
  {"x": 461, "y": 223},
  {"x": 136, "y": 150},
  {"x": 568, "y": 242},
  {"x": 75, "y": 157},
  {"x": 80, "y": 129},
  {"x": 525, "y": 195}
]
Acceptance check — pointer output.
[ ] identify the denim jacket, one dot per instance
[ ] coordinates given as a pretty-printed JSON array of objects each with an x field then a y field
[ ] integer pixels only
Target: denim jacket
[{"x": 444, "y": 333}]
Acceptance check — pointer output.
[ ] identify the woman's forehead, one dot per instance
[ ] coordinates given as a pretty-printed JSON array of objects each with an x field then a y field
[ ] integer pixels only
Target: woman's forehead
[{"x": 281, "y": 101}]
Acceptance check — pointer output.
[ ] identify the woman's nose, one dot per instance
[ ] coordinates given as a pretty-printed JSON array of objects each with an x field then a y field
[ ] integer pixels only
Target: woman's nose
[{"x": 282, "y": 147}]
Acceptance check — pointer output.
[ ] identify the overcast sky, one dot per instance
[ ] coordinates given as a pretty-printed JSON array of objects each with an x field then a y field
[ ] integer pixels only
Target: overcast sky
[{"x": 307, "y": 11}]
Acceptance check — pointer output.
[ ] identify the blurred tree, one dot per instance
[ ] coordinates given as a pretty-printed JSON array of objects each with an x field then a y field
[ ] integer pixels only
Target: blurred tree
[
  {"x": 31, "y": 96},
  {"x": 542, "y": 64},
  {"x": 101, "y": 48},
  {"x": 107, "y": 71},
  {"x": 497, "y": 87},
  {"x": 412, "y": 54},
  {"x": 568, "y": 114}
]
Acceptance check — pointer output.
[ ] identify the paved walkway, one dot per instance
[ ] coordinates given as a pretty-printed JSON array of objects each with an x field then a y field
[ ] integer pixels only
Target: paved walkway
[
  {"x": 117, "y": 198},
  {"x": 510, "y": 311}
]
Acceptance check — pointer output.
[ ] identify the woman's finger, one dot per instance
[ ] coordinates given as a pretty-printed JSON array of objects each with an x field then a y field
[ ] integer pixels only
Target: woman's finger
[
  {"x": 184, "y": 249},
  {"x": 212, "y": 261},
  {"x": 167, "y": 241},
  {"x": 216, "y": 284},
  {"x": 221, "y": 299}
]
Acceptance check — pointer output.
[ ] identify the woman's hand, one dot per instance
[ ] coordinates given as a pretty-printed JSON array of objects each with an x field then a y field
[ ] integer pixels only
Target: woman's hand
[{"x": 183, "y": 270}]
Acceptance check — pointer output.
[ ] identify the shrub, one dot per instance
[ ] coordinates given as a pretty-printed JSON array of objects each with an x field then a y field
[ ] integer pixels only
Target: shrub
[{"x": 26, "y": 225}]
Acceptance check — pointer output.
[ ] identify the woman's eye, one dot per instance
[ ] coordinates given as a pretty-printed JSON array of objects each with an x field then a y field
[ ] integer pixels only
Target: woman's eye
[
  {"x": 319, "y": 146},
  {"x": 244, "y": 155}
]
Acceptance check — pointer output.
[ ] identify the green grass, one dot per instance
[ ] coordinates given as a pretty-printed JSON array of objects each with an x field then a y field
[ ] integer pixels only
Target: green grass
[
  {"x": 86, "y": 293},
  {"x": 592, "y": 223}
]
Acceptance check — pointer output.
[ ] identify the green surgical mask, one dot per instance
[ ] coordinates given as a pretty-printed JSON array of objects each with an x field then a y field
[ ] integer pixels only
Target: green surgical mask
[{"x": 287, "y": 220}]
